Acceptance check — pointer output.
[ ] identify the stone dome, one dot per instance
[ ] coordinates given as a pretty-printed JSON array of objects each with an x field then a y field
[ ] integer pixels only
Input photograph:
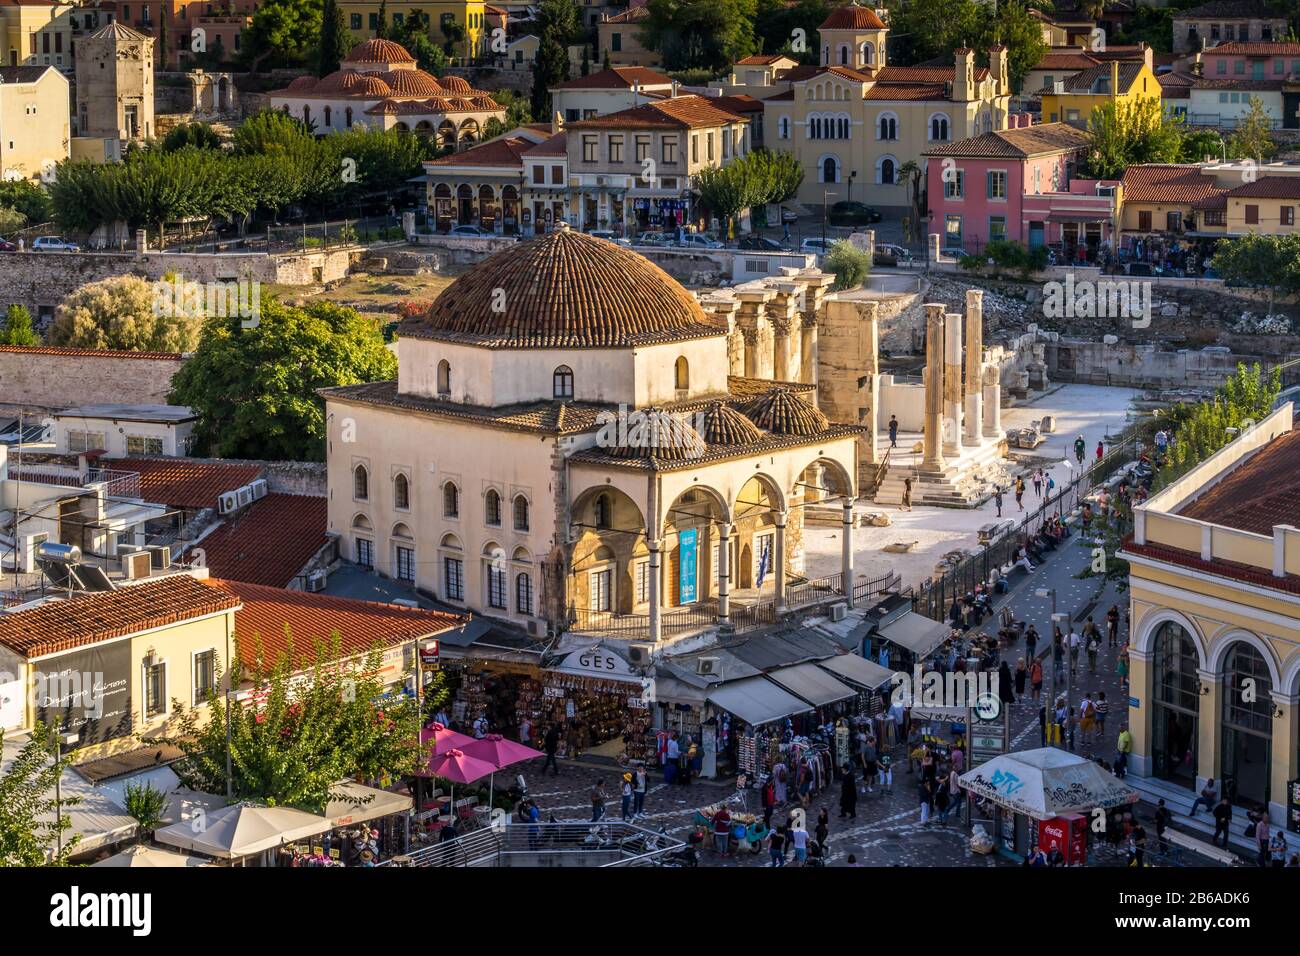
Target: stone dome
[
  {"x": 563, "y": 290},
  {"x": 720, "y": 424},
  {"x": 371, "y": 85},
  {"x": 301, "y": 84},
  {"x": 782, "y": 412},
  {"x": 351, "y": 82},
  {"x": 654, "y": 434},
  {"x": 412, "y": 83},
  {"x": 379, "y": 51},
  {"x": 456, "y": 84}
]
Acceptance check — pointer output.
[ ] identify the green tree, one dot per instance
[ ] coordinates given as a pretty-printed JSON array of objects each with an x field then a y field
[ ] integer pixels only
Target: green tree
[
  {"x": 790, "y": 28},
  {"x": 935, "y": 28},
  {"x": 1252, "y": 138},
  {"x": 1127, "y": 134},
  {"x": 381, "y": 21},
  {"x": 28, "y": 198},
  {"x": 1261, "y": 261},
  {"x": 518, "y": 112},
  {"x": 319, "y": 719},
  {"x": 700, "y": 34},
  {"x": 30, "y": 819},
  {"x": 910, "y": 172},
  {"x": 334, "y": 40},
  {"x": 122, "y": 312},
  {"x": 254, "y": 389},
  {"x": 415, "y": 37},
  {"x": 197, "y": 135},
  {"x": 558, "y": 25},
  {"x": 850, "y": 265},
  {"x": 282, "y": 33},
  {"x": 146, "y": 803},
  {"x": 18, "y": 327},
  {"x": 1012, "y": 25},
  {"x": 1198, "y": 145}
]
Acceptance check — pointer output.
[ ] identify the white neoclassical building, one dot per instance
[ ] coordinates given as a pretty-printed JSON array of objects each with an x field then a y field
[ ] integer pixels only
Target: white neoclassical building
[{"x": 570, "y": 444}]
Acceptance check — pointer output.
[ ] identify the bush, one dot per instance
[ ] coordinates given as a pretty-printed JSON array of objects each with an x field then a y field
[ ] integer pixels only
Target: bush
[
  {"x": 971, "y": 263},
  {"x": 122, "y": 313},
  {"x": 850, "y": 264}
]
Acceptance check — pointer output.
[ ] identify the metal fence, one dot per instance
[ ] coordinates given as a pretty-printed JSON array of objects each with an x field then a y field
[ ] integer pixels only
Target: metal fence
[{"x": 564, "y": 843}]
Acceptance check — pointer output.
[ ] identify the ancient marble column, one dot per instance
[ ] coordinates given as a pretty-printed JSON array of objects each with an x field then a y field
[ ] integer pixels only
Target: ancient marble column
[
  {"x": 952, "y": 397},
  {"x": 992, "y": 403},
  {"x": 932, "y": 457},
  {"x": 974, "y": 366}
]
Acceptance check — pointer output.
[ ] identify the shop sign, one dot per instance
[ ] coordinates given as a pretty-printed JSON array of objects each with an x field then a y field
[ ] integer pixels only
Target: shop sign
[
  {"x": 636, "y": 703},
  {"x": 549, "y": 691},
  {"x": 599, "y": 663},
  {"x": 569, "y": 710},
  {"x": 429, "y": 654},
  {"x": 1134, "y": 703},
  {"x": 87, "y": 692},
  {"x": 688, "y": 541}
]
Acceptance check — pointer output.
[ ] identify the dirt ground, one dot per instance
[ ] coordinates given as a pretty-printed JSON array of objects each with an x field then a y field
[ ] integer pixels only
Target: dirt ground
[{"x": 380, "y": 296}]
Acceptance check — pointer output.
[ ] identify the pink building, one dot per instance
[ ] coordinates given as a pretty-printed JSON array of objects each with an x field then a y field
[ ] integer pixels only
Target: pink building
[
  {"x": 1252, "y": 61},
  {"x": 1019, "y": 184}
]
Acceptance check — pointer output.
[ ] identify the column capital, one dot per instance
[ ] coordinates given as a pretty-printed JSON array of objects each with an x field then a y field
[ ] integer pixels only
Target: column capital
[
  {"x": 780, "y": 517},
  {"x": 654, "y": 545}
]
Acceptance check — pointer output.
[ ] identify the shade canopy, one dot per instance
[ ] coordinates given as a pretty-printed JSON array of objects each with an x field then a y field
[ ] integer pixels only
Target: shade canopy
[
  {"x": 499, "y": 752},
  {"x": 149, "y": 857},
  {"x": 444, "y": 739},
  {"x": 859, "y": 670},
  {"x": 809, "y": 682},
  {"x": 756, "y": 700},
  {"x": 459, "y": 767},
  {"x": 1046, "y": 783},
  {"x": 242, "y": 830},
  {"x": 915, "y": 632},
  {"x": 356, "y": 803}
]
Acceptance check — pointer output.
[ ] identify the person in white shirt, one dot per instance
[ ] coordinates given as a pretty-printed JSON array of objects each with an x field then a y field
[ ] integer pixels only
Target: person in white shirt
[
  {"x": 480, "y": 727},
  {"x": 526, "y": 732},
  {"x": 1022, "y": 560},
  {"x": 672, "y": 754},
  {"x": 799, "y": 837},
  {"x": 1075, "y": 642}
]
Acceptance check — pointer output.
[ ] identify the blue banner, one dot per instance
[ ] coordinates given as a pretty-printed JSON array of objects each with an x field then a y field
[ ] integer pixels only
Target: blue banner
[{"x": 687, "y": 546}]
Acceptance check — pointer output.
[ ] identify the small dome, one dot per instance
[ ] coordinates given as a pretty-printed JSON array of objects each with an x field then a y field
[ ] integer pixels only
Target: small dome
[
  {"x": 720, "y": 424},
  {"x": 379, "y": 51},
  {"x": 370, "y": 85},
  {"x": 301, "y": 85},
  {"x": 412, "y": 83},
  {"x": 340, "y": 81},
  {"x": 782, "y": 412},
  {"x": 654, "y": 434},
  {"x": 456, "y": 84}
]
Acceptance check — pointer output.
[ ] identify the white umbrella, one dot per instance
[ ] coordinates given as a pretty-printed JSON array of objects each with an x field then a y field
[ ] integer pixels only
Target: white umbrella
[
  {"x": 242, "y": 830},
  {"x": 149, "y": 857},
  {"x": 1047, "y": 782}
]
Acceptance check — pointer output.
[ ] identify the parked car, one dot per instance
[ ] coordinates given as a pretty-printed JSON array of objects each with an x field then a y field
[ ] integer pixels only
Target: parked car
[
  {"x": 6, "y": 245},
  {"x": 889, "y": 254},
  {"x": 817, "y": 246},
  {"x": 757, "y": 243},
  {"x": 952, "y": 252},
  {"x": 852, "y": 214},
  {"x": 653, "y": 239},
  {"x": 609, "y": 236},
  {"x": 54, "y": 244},
  {"x": 477, "y": 232},
  {"x": 699, "y": 240}
]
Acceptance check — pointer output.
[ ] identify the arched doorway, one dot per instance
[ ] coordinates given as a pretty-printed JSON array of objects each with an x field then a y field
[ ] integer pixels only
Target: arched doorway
[
  {"x": 510, "y": 210},
  {"x": 1175, "y": 696},
  {"x": 754, "y": 517},
  {"x": 464, "y": 205},
  {"x": 830, "y": 170},
  {"x": 446, "y": 134},
  {"x": 691, "y": 540},
  {"x": 488, "y": 213},
  {"x": 442, "y": 207},
  {"x": 1246, "y": 728},
  {"x": 610, "y": 561}
]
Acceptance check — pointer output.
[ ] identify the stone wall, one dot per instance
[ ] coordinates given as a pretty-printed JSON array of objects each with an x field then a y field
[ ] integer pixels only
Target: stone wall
[
  {"x": 1140, "y": 366},
  {"x": 297, "y": 477},
  {"x": 40, "y": 280},
  {"x": 50, "y": 378}
]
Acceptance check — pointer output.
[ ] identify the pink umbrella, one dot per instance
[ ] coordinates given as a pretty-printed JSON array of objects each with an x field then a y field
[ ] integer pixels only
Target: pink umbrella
[
  {"x": 444, "y": 739},
  {"x": 459, "y": 767},
  {"x": 501, "y": 753}
]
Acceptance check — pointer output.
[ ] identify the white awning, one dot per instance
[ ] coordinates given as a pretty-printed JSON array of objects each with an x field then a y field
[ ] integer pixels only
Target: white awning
[
  {"x": 1047, "y": 782},
  {"x": 756, "y": 700},
  {"x": 377, "y": 803},
  {"x": 812, "y": 684},
  {"x": 859, "y": 670},
  {"x": 243, "y": 830},
  {"x": 915, "y": 632}
]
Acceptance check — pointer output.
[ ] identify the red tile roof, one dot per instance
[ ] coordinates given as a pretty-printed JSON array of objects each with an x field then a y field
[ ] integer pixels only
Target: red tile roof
[
  {"x": 556, "y": 145},
  {"x": 1269, "y": 187},
  {"x": 310, "y": 619},
  {"x": 682, "y": 112},
  {"x": 1155, "y": 182},
  {"x": 187, "y": 482},
  {"x": 61, "y": 625},
  {"x": 852, "y": 17},
  {"x": 499, "y": 152},
  {"x": 1076, "y": 60},
  {"x": 906, "y": 91},
  {"x": 630, "y": 15},
  {"x": 1233, "y": 570},
  {"x": 1017, "y": 143},
  {"x": 91, "y": 353},
  {"x": 766, "y": 59},
  {"x": 1260, "y": 492},
  {"x": 268, "y": 542},
  {"x": 1254, "y": 49},
  {"x": 616, "y": 78},
  {"x": 738, "y": 103}
]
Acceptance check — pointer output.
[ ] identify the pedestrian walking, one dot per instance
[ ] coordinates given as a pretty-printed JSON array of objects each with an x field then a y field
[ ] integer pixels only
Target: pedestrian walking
[
  {"x": 671, "y": 755},
  {"x": 799, "y": 840},
  {"x": 1020, "y": 493},
  {"x": 997, "y": 500},
  {"x": 848, "y": 794},
  {"x": 1101, "y": 452},
  {"x": 1222, "y": 822},
  {"x": 1038, "y": 483},
  {"x": 626, "y": 794},
  {"x": 823, "y": 829},
  {"x": 721, "y": 830},
  {"x": 1080, "y": 447},
  {"x": 1042, "y": 725},
  {"x": 907, "y": 495},
  {"x": 1075, "y": 643},
  {"x": 640, "y": 783},
  {"x": 893, "y": 431},
  {"x": 1071, "y": 722},
  {"x": 1101, "y": 709},
  {"x": 1087, "y": 718},
  {"x": 551, "y": 745},
  {"x": 526, "y": 732},
  {"x": 597, "y": 800},
  {"x": 1021, "y": 676},
  {"x": 1006, "y": 687},
  {"x": 1121, "y": 667},
  {"x": 1112, "y": 626},
  {"x": 869, "y": 763},
  {"x": 1036, "y": 679},
  {"x": 886, "y": 774},
  {"x": 1262, "y": 837},
  {"x": 943, "y": 801},
  {"x": 1123, "y": 747},
  {"x": 1031, "y": 643},
  {"x": 1094, "y": 645},
  {"x": 776, "y": 841},
  {"x": 925, "y": 794}
]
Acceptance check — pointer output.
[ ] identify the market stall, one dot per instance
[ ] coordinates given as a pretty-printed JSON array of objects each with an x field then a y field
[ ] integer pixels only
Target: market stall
[
  {"x": 1025, "y": 799},
  {"x": 907, "y": 639},
  {"x": 140, "y": 857},
  {"x": 504, "y": 691},
  {"x": 873, "y": 684},
  {"x": 600, "y": 701}
]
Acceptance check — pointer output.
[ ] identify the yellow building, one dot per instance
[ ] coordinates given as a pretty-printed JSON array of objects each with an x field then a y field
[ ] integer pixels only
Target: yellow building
[
  {"x": 35, "y": 130},
  {"x": 1215, "y": 633},
  {"x": 619, "y": 39},
  {"x": 39, "y": 33},
  {"x": 361, "y": 17},
  {"x": 1073, "y": 99},
  {"x": 1267, "y": 206}
]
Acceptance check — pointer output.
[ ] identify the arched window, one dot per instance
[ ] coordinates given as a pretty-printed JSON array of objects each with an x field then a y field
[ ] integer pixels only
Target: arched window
[
  {"x": 562, "y": 382},
  {"x": 843, "y": 124},
  {"x": 523, "y": 593},
  {"x": 444, "y": 379},
  {"x": 868, "y": 52},
  {"x": 360, "y": 483},
  {"x": 521, "y": 513},
  {"x": 306, "y": 114},
  {"x": 844, "y": 55},
  {"x": 888, "y": 126},
  {"x": 783, "y": 127},
  {"x": 814, "y": 127},
  {"x": 401, "y": 492},
  {"x": 830, "y": 170},
  {"x": 1175, "y": 699},
  {"x": 1246, "y": 730},
  {"x": 886, "y": 170},
  {"x": 682, "y": 373},
  {"x": 601, "y": 512},
  {"x": 492, "y": 507},
  {"x": 347, "y": 117},
  {"x": 938, "y": 127},
  {"x": 329, "y": 114},
  {"x": 450, "y": 500}
]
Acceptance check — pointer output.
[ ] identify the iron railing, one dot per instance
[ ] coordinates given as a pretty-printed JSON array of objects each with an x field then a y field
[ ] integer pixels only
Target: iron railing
[{"x": 563, "y": 843}]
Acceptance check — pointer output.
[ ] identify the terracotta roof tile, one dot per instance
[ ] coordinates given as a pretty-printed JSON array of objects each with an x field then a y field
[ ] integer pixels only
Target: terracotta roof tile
[
  {"x": 1262, "y": 491},
  {"x": 738, "y": 103},
  {"x": 556, "y": 145},
  {"x": 376, "y": 50},
  {"x": 187, "y": 482},
  {"x": 616, "y": 78},
  {"x": 91, "y": 353},
  {"x": 782, "y": 412},
  {"x": 1254, "y": 49},
  {"x": 311, "y": 619},
  {"x": 268, "y": 542},
  {"x": 852, "y": 17},
  {"x": 1269, "y": 187},
  {"x": 630, "y": 15},
  {"x": 899, "y": 92},
  {"x": 1016, "y": 143},
  {"x": 498, "y": 152},
  {"x": 1233, "y": 570},
  {"x": 1073, "y": 60},
  {"x": 1082, "y": 82},
  {"x": 766, "y": 59},
  {"x": 1161, "y": 183},
  {"x": 565, "y": 289},
  {"x": 681, "y": 112},
  {"x": 61, "y": 625}
]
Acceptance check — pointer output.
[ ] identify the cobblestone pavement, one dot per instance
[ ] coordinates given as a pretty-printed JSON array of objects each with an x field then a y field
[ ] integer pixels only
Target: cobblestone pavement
[{"x": 887, "y": 831}]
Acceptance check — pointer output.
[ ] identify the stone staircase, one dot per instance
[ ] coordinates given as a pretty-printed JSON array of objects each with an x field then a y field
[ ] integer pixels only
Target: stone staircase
[
  {"x": 1179, "y": 800},
  {"x": 964, "y": 483}
]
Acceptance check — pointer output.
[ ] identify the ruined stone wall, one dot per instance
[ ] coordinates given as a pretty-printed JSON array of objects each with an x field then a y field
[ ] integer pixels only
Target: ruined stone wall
[{"x": 51, "y": 379}]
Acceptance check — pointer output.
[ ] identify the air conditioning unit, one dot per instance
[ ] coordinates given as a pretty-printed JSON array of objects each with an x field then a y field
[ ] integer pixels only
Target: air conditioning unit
[
  {"x": 227, "y": 502},
  {"x": 638, "y": 655},
  {"x": 160, "y": 554},
  {"x": 708, "y": 666},
  {"x": 839, "y": 611},
  {"x": 600, "y": 180},
  {"x": 136, "y": 564},
  {"x": 316, "y": 581},
  {"x": 244, "y": 496},
  {"x": 259, "y": 488}
]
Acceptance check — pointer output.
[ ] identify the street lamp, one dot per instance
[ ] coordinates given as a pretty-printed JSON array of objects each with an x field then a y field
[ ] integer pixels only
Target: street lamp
[
  {"x": 61, "y": 739},
  {"x": 826, "y": 196},
  {"x": 1055, "y": 620}
]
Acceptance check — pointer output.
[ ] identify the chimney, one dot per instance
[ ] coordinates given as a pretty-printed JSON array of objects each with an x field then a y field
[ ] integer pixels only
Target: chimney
[
  {"x": 557, "y": 124},
  {"x": 676, "y": 87},
  {"x": 964, "y": 75},
  {"x": 1114, "y": 78}
]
